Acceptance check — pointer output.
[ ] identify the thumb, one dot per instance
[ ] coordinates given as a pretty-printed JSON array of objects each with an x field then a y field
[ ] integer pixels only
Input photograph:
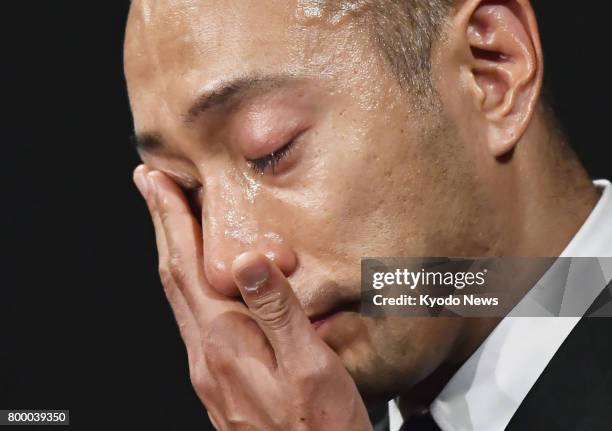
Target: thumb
[{"x": 269, "y": 297}]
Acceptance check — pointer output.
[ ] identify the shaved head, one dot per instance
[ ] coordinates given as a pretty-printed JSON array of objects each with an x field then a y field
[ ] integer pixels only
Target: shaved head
[{"x": 403, "y": 29}]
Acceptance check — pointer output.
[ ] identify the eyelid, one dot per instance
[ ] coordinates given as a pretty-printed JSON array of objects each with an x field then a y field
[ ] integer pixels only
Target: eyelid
[{"x": 272, "y": 159}]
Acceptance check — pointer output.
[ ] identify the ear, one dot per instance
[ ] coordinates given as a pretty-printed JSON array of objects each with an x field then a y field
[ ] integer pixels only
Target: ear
[{"x": 502, "y": 67}]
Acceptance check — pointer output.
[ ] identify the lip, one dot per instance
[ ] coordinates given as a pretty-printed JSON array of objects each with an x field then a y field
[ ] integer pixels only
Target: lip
[{"x": 319, "y": 319}]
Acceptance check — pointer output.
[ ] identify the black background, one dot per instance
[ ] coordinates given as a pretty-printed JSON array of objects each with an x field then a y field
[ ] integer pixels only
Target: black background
[{"x": 84, "y": 324}]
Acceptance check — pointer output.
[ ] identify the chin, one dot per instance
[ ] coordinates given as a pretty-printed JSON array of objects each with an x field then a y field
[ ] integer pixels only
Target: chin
[
  {"x": 350, "y": 335},
  {"x": 379, "y": 354},
  {"x": 377, "y": 385}
]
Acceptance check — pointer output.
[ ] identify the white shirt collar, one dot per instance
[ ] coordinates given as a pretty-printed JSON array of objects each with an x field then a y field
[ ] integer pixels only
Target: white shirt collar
[{"x": 487, "y": 390}]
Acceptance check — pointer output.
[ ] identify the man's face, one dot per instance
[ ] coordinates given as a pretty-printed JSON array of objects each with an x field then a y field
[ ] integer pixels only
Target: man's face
[{"x": 312, "y": 155}]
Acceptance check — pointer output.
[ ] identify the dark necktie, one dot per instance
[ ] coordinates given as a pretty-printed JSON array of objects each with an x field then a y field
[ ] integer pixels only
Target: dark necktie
[{"x": 422, "y": 422}]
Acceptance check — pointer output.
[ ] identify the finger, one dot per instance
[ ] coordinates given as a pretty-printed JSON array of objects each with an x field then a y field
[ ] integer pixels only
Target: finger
[
  {"x": 267, "y": 293},
  {"x": 141, "y": 181},
  {"x": 146, "y": 189},
  {"x": 184, "y": 247},
  {"x": 212, "y": 421},
  {"x": 185, "y": 320}
]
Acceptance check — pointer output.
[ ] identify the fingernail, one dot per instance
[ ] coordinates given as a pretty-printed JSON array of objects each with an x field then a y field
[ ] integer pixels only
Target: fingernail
[{"x": 253, "y": 277}]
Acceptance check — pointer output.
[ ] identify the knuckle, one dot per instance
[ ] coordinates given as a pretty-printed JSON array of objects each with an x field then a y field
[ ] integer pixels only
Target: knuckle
[
  {"x": 209, "y": 394},
  {"x": 176, "y": 269},
  {"x": 236, "y": 421},
  {"x": 213, "y": 422},
  {"x": 221, "y": 348},
  {"x": 273, "y": 310},
  {"x": 217, "y": 357},
  {"x": 210, "y": 342},
  {"x": 220, "y": 363},
  {"x": 201, "y": 379},
  {"x": 197, "y": 376},
  {"x": 314, "y": 371},
  {"x": 165, "y": 275},
  {"x": 164, "y": 216}
]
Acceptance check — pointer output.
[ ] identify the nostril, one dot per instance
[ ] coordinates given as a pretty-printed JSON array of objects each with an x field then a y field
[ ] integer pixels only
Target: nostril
[{"x": 283, "y": 257}]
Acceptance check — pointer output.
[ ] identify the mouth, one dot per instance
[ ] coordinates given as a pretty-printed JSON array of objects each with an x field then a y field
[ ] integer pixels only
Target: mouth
[{"x": 317, "y": 320}]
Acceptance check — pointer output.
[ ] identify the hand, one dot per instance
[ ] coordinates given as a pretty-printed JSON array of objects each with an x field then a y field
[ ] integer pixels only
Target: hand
[{"x": 259, "y": 366}]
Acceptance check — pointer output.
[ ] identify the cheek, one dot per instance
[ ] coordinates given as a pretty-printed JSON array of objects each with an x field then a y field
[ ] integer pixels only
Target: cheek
[
  {"x": 363, "y": 196},
  {"x": 386, "y": 356},
  {"x": 360, "y": 191},
  {"x": 430, "y": 340}
]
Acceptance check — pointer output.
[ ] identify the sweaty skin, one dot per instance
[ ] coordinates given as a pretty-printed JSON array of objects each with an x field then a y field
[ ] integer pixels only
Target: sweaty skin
[{"x": 367, "y": 170}]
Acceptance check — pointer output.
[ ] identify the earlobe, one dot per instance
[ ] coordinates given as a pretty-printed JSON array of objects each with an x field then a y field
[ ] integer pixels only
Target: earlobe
[{"x": 505, "y": 66}]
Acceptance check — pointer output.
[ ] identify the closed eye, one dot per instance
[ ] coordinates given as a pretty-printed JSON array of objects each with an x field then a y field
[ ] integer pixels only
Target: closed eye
[{"x": 271, "y": 160}]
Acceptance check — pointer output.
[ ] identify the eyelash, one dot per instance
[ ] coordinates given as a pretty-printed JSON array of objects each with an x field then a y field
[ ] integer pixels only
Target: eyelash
[{"x": 271, "y": 160}]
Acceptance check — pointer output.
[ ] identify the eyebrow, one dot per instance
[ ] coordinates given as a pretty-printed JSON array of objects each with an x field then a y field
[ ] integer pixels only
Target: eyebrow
[
  {"x": 220, "y": 94},
  {"x": 148, "y": 142}
]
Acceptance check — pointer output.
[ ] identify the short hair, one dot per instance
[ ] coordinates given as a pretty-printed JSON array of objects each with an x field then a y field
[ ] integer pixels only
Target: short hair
[{"x": 405, "y": 31}]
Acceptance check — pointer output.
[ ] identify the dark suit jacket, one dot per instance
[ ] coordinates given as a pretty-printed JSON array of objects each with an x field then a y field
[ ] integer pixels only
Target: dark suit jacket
[{"x": 575, "y": 390}]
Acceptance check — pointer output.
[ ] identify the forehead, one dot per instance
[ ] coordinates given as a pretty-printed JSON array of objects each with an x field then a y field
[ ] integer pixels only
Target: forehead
[
  {"x": 174, "y": 34},
  {"x": 175, "y": 47}
]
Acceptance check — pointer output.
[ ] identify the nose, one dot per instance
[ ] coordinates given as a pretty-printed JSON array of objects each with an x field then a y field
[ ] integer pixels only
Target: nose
[{"x": 231, "y": 227}]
